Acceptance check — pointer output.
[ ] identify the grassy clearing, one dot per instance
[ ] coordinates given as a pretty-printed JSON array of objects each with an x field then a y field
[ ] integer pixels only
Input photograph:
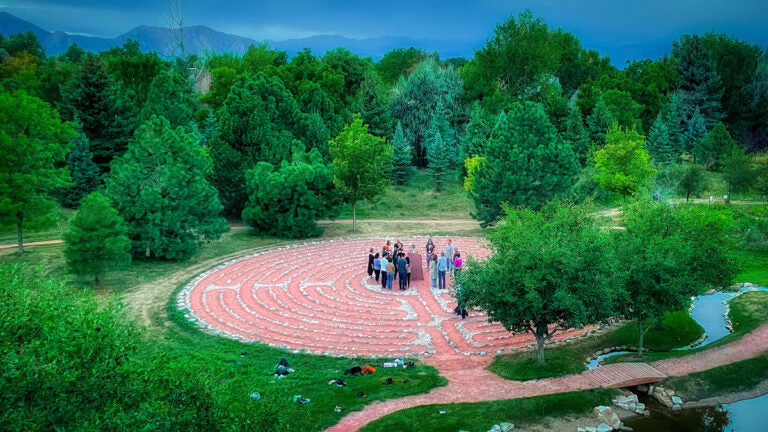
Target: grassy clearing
[
  {"x": 754, "y": 267},
  {"x": 8, "y": 234},
  {"x": 482, "y": 415},
  {"x": 679, "y": 330},
  {"x": 417, "y": 200},
  {"x": 748, "y": 311},
  {"x": 734, "y": 377}
]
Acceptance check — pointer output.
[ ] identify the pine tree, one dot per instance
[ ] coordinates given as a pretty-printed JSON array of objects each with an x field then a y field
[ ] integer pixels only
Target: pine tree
[
  {"x": 576, "y": 135},
  {"x": 85, "y": 175},
  {"x": 159, "y": 188},
  {"x": 97, "y": 240},
  {"x": 476, "y": 135},
  {"x": 526, "y": 163},
  {"x": 172, "y": 97},
  {"x": 108, "y": 117},
  {"x": 599, "y": 122},
  {"x": 658, "y": 142},
  {"x": 695, "y": 131},
  {"x": 700, "y": 84},
  {"x": 675, "y": 126},
  {"x": 373, "y": 107},
  {"x": 401, "y": 156},
  {"x": 210, "y": 130},
  {"x": 713, "y": 149},
  {"x": 438, "y": 155}
]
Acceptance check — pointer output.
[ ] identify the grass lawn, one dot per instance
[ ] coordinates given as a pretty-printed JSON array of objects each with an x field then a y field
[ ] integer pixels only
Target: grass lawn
[
  {"x": 754, "y": 267},
  {"x": 748, "y": 311},
  {"x": 417, "y": 200},
  {"x": 480, "y": 416},
  {"x": 733, "y": 377},
  {"x": 679, "y": 330},
  {"x": 8, "y": 234}
]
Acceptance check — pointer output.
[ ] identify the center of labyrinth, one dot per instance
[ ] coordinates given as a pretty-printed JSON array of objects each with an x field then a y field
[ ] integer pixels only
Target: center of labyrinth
[{"x": 318, "y": 297}]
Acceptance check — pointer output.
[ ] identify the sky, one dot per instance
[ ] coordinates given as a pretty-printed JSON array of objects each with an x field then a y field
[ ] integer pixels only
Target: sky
[{"x": 598, "y": 23}]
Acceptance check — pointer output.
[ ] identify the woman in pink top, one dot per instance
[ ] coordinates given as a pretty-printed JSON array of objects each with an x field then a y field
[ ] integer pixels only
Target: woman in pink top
[{"x": 457, "y": 262}]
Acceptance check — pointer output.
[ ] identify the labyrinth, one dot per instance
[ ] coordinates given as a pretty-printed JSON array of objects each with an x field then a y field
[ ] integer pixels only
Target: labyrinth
[{"x": 318, "y": 298}]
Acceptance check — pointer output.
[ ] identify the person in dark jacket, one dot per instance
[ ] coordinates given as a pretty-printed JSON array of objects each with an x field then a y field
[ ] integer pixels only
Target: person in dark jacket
[
  {"x": 370, "y": 263},
  {"x": 402, "y": 270}
]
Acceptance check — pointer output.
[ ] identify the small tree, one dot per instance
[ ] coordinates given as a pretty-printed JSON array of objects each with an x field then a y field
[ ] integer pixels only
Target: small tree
[
  {"x": 659, "y": 143},
  {"x": 33, "y": 143},
  {"x": 549, "y": 271},
  {"x": 599, "y": 122},
  {"x": 693, "y": 181},
  {"x": 695, "y": 131},
  {"x": 171, "y": 96},
  {"x": 84, "y": 172},
  {"x": 401, "y": 156},
  {"x": 738, "y": 171},
  {"x": 666, "y": 255},
  {"x": 438, "y": 156},
  {"x": 361, "y": 162},
  {"x": 476, "y": 135},
  {"x": 712, "y": 150},
  {"x": 97, "y": 239},
  {"x": 623, "y": 165},
  {"x": 576, "y": 135}
]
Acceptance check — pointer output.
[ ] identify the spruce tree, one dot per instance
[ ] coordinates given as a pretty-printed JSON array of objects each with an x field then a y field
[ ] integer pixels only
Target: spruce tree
[
  {"x": 85, "y": 175},
  {"x": 210, "y": 130},
  {"x": 97, "y": 240},
  {"x": 599, "y": 122},
  {"x": 438, "y": 156},
  {"x": 373, "y": 107},
  {"x": 108, "y": 117},
  {"x": 159, "y": 188},
  {"x": 526, "y": 163},
  {"x": 713, "y": 149},
  {"x": 700, "y": 84},
  {"x": 658, "y": 142},
  {"x": 694, "y": 132},
  {"x": 401, "y": 156},
  {"x": 675, "y": 126},
  {"x": 476, "y": 135},
  {"x": 576, "y": 135},
  {"x": 172, "y": 97}
]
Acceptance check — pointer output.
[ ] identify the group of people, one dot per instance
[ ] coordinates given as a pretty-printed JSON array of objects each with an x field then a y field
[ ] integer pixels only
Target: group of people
[{"x": 392, "y": 264}]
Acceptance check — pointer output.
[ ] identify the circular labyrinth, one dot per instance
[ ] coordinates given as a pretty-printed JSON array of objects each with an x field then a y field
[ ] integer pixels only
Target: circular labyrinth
[{"x": 318, "y": 297}]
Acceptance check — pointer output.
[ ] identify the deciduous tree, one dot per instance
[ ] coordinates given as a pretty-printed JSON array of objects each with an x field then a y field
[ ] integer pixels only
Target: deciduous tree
[{"x": 623, "y": 165}]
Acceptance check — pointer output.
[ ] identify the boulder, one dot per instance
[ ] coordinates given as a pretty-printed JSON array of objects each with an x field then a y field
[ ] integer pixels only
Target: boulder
[
  {"x": 606, "y": 415},
  {"x": 506, "y": 427},
  {"x": 602, "y": 427}
]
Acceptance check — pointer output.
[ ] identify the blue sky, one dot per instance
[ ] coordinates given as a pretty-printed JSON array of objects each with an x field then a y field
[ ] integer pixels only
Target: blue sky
[{"x": 596, "y": 22}]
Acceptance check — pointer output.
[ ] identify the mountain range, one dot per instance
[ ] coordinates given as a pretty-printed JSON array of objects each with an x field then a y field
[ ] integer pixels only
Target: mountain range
[{"x": 199, "y": 39}]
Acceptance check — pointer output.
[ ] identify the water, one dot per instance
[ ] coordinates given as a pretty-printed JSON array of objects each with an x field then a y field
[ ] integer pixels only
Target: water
[
  {"x": 744, "y": 416},
  {"x": 709, "y": 311}
]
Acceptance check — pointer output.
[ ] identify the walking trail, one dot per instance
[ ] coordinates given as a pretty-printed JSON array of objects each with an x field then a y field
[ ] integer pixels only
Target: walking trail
[{"x": 471, "y": 382}]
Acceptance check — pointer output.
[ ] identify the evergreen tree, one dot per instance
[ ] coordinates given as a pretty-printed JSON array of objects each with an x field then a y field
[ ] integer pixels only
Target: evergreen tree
[
  {"x": 438, "y": 156},
  {"x": 738, "y": 171},
  {"x": 713, "y": 149},
  {"x": 675, "y": 126},
  {"x": 599, "y": 122},
  {"x": 83, "y": 171},
  {"x": 373, "y": 107},
  {"x": 700, "y": 85},
  {"x": 314, "y": 133},
  {"x": 172, "y": 97},
  {"x": 476, "y": 135},
  {"x": 576, "y": 135},
  {"x": 159, "y": 188},
  {"x": 526, "y": 163},
  {"x": 210, "y": 130},
  {"x": 97, "y": 240},
  {"x": 108, "y": 117},
  {"x": 658, "y": 143},
  {"x": 401, "y": 156},
  {"x": 695, "y": 131}
]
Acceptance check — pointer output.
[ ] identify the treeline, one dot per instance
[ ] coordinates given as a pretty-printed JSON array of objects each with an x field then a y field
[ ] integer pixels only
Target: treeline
[{"x": 176, "y": 145}]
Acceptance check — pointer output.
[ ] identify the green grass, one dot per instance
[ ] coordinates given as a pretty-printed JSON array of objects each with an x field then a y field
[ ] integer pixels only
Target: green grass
[
  {"x": 417, "y": 200},
  {"x": 8, "y": 234},
  {"x": 679, "y": 330},
  {"x": 734, "y": 377},
  {"x": 480, "y": 416},
  {"x": 747, "y": 312},
  {"x": 754, "y": 267}
]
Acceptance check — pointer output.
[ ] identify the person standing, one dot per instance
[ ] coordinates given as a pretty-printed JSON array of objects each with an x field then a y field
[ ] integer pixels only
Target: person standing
[
  {"x": 433, "y": 271},
  {"x": 449, "y": 255},
  {"x": 370, "y": 263},
  {"x": 384, "y": 263},
  {"x": 377, "y": 265},
  {"x": 442, "y": 267},
  {"x": 402, "y": 270},
  {"x": 457, "y": 262},
  {"x": 430, "y": 250},
  {"x": 408, "y": 272},
  {"x": 390, "y": 274}
]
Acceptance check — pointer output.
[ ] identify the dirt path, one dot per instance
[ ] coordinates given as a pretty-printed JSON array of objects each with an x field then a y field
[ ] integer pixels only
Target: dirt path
[
  {"x": 469, "y": 381},
  {"x": 39, "y": 243}
]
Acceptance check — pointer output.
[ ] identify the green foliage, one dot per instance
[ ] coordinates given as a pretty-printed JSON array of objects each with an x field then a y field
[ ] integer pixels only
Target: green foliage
[
  {"x": 210, "y": 130},
  {"x": 599, "y": 122},
  {"x": 526, "y": 163},
  {"x": 695, "y": 132},
  {"x": 659, "y": 143},
  {"x": 547, "y": 269},
  {"x": 439, "y": 156},
  {"x": 666, "y": 255},
  {"x": 693, "y": 182},
  {"x": 172, "y": 97},
  {"x": 623, "y": 108},
  {"x": 33, "y": 144},
  {"x": 222, "y": 80},
  {"x": 159, "y": 188},
  {"x": 354, "y": 69},
  {"x": 133, "y": 69},
  {"x": 429, "y": 91},
  {"x": 287, "y": 200},
  {"x": 738, "y": 171},
  {"x": 373, "y": 106},
  {"x": 361, "y": 163},
  {"x": 713, "y": 149},
  {"x": 700, "y": 85},
  {"x": 84, "y": 173},
  {"x": 97, "y": 240},
  {"x": 576, "y": 135},
  {"x": 623, "y": 165},
  {"x": 106, "y": 114},
  {"x": 401, "y": 157},
  {"x": 470, "y": 166},
  {"x": 476, "y": 135},
  {"x": 19, "y": 43},
  {"x": 398, "y": 62}
]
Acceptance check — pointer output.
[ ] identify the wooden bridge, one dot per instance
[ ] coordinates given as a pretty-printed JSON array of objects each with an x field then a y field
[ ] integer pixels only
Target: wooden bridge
[{"x": 624, "y": 375}]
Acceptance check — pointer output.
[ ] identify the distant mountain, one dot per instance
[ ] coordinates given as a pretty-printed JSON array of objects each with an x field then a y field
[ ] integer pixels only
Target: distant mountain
[{"x": 199, "y": 39}]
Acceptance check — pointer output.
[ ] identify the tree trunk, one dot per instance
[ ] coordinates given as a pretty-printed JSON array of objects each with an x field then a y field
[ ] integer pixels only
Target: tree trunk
[
  {"x": 96, "y": 281},
  {"x": 687, "y": 196},
  {"x": 640, "y": 336},
  {"x": 541, "y": 337},
  {"x": 354, "y": 216},
  {"x": 19, "y": 223},
  {"x": 660, "y": 322}
]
